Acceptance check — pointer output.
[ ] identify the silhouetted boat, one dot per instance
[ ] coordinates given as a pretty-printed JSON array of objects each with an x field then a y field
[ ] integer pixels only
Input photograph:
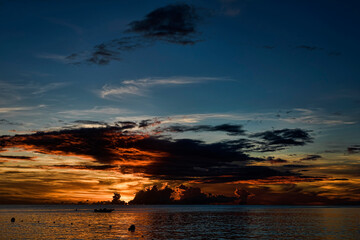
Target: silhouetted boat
[{"x": 103, "y": 210}]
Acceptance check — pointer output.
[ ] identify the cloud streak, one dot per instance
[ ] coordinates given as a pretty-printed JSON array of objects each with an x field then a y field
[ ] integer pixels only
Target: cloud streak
[
  {"x": 139, "y": 87},
  {"x": 17, "y": 109},
  {"x": 230, "y": 129},
  {"x": 309, "y": 48},
  {"x": 311, "y": 157},
  {"x": 11, "y": 92},
  {"x": 275, "y": 140}
]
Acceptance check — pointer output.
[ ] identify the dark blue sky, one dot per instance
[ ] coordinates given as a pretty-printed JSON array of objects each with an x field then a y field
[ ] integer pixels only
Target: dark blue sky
[{"x": 265, "y": 56}]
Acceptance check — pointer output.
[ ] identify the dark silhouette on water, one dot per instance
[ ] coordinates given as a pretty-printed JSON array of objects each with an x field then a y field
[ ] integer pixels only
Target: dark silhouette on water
[
  {"x": 12, "y": 219},
  {"x": 104, "y": 210},
  {"x": 132, "y": 228},
  {"x": 153, "y": 195},
  {"x": 188, "y": 195},
  {"x": 116, "y": 199},
  {"x": 243, "y": 195}
]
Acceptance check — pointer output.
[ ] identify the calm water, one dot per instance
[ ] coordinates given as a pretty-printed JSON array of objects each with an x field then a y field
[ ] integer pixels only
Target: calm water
[{"x": 180, "y": 222}]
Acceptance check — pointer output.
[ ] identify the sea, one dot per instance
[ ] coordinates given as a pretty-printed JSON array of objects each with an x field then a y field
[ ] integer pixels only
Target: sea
[{"x": 179, "y": 222}]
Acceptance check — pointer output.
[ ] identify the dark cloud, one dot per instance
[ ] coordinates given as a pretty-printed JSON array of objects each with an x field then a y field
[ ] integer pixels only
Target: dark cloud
[
  {"x": 353, "y": 149},
  {"x": 280, "y": 139},
  {"x": 90, "y": 122},
  {"x": 7, "y": 122},
  {"x": 98, "y": 143},
  {"x": 17, "y": 157},
  {"x": 187, "y": 159},
  {"x": 230, "y": 129},
  {"x": 335, "y": 53},
  {"x": 126, "y": 124},
  {"x": 291, "y": 194},
  {"x": 89, "y": 167},
  {"x": 160, "y": 157},
  {"x": 148, "y": 123},
  {"x": 306, "y": 48},
  {"x": 175, "y": 23},
  {"x": 274, "y": 160},
  {"x": 104, "y": 53},
  {"x": 296, "y": 166},
  {"x": 247, "y": 173},
  {"x": 314, "y": 48},
  {"x": 309, "y": 48},
  {"x": 312, "y": 157},
  {"x": 141, "y": 124}
]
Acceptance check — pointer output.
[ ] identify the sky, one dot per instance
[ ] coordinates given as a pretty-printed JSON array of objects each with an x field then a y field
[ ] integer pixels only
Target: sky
[{"x": 221, "y": 96}]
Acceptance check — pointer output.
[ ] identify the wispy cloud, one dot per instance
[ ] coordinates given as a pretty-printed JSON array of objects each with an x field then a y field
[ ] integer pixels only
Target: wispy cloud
[
  {"x": 61, "y": 22},
  {"x": 296, "y": 117},
  {"x": 315, "y": 116},
  {"x": 20, "y": 90},
  {"x": 49, "y": 87},
  {"x": 118, "y": 92},
  {"x": 230, "y": 129},
  {"x": 311, "y": 157},
  {"x": 16, "y": 109},
  {"x": 35, "y": 74},
  {"x": 55, "y": 57},
  {"x": 140, "y": 86},
  {"x": 309, "y": 48},
  {"x": 353, "y": 149},
  {"x": 94, "y": 112},
  {"x": 7, "y": 122},
  {"x": 312, "y": 48}
]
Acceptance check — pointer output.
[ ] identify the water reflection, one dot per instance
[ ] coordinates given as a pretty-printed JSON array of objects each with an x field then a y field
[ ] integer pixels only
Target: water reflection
[{"x": 180, "y": 222}]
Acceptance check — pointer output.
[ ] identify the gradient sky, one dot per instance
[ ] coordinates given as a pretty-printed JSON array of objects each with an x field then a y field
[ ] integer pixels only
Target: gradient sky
[{"x": 105, "y": 96}]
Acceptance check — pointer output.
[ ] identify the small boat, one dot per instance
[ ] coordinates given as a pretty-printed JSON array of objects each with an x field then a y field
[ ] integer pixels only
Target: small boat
[{"x": 103, "y": 210}]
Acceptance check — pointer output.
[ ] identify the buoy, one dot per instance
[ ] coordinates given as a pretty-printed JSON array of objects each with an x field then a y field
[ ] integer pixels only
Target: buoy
[
  {"x": 132, "y": 228},
  {"x": 13, "y": 220}
]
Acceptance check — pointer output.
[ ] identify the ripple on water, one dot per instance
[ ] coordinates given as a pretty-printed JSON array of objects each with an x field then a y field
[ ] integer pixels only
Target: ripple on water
[{"x": 180, "y": 222}]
